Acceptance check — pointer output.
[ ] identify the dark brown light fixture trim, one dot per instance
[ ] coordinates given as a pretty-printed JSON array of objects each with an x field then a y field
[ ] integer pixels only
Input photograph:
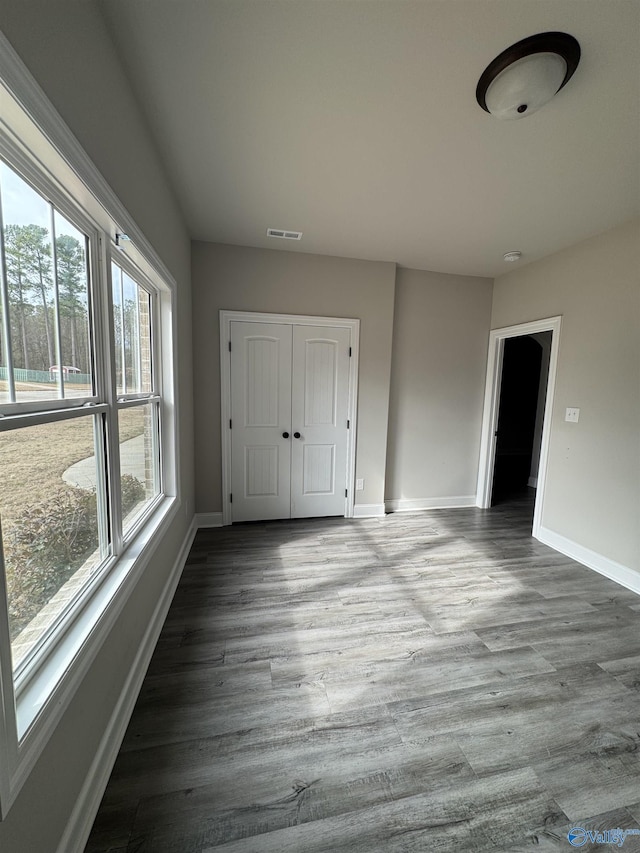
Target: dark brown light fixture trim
[{"x": 562, "y": 44}]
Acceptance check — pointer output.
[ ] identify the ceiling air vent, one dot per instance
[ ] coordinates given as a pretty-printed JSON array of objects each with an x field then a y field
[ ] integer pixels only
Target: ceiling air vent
[{"x": 284, "y": 235}]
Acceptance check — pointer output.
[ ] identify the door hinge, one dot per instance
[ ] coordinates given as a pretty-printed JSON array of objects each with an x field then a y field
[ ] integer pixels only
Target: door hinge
[
  {"x": 348, "y": 424},
  {"x": 229, "y": 346},
  {"x": 231, "y": 498},
  {"x": 346, "y": 493},
  {"x": 230, "y": 424},
  {"x": 349, "y": 352}
]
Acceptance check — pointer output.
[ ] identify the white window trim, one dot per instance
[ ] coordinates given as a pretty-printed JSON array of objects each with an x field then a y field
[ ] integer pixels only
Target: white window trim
[{"x": 46, "y": 697}]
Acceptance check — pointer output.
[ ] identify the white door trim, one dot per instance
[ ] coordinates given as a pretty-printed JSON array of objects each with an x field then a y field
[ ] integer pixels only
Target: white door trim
[
  {"x": 226, "y": 318},
  {"x": 497, "y": 338}
]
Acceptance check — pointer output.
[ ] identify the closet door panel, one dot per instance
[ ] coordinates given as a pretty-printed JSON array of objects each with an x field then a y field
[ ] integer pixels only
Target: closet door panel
[
  {"x": 260, "y": 415},
  {"x": 320, "y": 395}
]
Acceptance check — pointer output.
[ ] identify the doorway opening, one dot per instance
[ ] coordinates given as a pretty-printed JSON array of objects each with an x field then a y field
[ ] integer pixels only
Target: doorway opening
[
  {"x": 517, "y": 414},
  {"x": 523, "y": 388}
]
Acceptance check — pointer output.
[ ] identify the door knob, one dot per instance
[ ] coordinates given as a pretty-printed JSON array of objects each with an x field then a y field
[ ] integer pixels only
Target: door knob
[
  {"x": 296, "y": 435},
  {"x": 285, "y": 435}
]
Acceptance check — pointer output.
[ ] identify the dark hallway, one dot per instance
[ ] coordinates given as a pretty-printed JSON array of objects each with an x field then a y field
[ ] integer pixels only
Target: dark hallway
[{"x": 517, "y": 418}]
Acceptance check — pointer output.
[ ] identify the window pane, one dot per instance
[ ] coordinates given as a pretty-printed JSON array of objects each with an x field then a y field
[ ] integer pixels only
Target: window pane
[
  {"x": 138, "y": 434},
  {"x": 131, "y": 324},
  {"x": 144, "y": 338},
  {"x": 27, "y": 247},
  {"x": 49, "y": 350},
  {"x": 4, "y": 384},
  {"x": 50, "y": 522},
  {"x": 116, "y": 286},
  {"x": 132, "y": 329},
  {"x": 73, "y": 302}
]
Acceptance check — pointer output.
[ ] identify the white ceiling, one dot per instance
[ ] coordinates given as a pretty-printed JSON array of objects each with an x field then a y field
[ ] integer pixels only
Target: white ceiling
[{"x": 355, "y": 121}]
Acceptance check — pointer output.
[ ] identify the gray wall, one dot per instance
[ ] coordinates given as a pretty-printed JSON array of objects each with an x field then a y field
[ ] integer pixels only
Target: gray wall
[
  {"x": 592, "y": 493},
  {"x": 244, "y": 279},
  {"x": 65, "y": 46},
  {"x": 440, "y": 337}
]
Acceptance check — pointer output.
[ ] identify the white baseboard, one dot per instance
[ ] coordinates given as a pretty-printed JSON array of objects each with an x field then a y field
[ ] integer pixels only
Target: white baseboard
[
  {"x": 368, "y": 510},
  {"x": 592, "y": 559},
  {"x": 81, "y": 820},
  {"x": 414, "y": 504},
  {"x": 532, "y": 482},
  {"x": 208, "y": 519}
]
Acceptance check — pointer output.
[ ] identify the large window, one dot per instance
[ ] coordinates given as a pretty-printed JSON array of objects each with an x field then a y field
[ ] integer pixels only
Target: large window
[
  {"x": 87, "y": 427},
  {"x": 53, "y": 489},
  {"x": 63, "y": 510}
]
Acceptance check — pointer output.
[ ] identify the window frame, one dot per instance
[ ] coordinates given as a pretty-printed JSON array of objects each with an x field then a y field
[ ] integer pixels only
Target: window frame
[
  {"x": 36, "y": 142},
  {"x": 131, "y": 400}
]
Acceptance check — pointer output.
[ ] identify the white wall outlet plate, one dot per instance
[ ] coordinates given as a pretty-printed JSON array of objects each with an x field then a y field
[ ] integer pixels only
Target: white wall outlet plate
[
  {"x": 572, "y": 415},
  {"x": 359, "y": 485}
]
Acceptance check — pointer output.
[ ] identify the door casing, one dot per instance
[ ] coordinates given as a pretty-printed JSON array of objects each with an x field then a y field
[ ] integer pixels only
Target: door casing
[
  {"x": 497, "y": 338},
  {"x": 226, "y": 318}
]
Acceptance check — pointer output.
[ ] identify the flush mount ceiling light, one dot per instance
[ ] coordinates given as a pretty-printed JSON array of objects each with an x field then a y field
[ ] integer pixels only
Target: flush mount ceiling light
[
  {"x": 511, "y": 257},
  {"x": 527, "y": 75}
]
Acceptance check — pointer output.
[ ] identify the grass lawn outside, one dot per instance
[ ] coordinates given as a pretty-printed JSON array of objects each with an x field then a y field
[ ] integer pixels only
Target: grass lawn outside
[{"x": 33, "y": 459}]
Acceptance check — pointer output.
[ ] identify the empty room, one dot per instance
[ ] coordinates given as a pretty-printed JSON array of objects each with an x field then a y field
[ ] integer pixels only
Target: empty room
[{"x": 319, "y": 426}]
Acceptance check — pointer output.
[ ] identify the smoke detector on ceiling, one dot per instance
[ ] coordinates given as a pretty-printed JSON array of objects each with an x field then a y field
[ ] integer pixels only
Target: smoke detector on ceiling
[{"x": 282, "y": 234}]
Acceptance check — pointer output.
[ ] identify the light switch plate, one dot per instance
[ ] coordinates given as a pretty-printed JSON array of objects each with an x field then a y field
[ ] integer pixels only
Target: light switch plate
[
  {"x": 572, "y": 415},
  {"x": 359, "y": 485}
]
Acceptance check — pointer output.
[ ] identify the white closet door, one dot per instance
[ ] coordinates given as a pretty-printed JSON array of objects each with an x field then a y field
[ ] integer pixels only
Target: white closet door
[
  {"x": 260, "y": 415},
  {"x": 320, "y": 396}
]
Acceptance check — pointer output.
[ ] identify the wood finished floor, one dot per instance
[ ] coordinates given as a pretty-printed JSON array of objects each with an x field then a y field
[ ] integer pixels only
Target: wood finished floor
[{"x": 435, "y": 681}]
